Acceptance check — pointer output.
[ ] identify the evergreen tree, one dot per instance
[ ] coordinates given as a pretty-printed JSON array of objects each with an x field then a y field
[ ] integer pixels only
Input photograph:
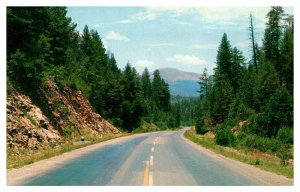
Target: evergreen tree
[
  {"x": 160, "y": 92},
  {"x": 146, "y": 83},
  {"x": 221, "y": 99},
  {"x": 253, "y": 43},
  {"x": 272, "y": 36},
  {"x": 287, "y": 47},
  {"x": 236, "y": 70},
  {"x": 132, "y": 106},
  {"x": 224, "y": 59}
]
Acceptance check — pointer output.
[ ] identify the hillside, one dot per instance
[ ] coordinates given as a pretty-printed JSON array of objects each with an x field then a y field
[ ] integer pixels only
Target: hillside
[
  {"x": 172, "y": 74},
  {"x": 181, "y": 83},
  {"x": 69, "y": 115},
  {"x": 60, "y": 79}
]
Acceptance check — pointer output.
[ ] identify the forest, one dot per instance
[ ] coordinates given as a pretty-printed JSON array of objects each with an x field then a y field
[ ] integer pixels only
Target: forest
[
  {"x": 43, "y": 42},
  {"x": 258, "y": 95}
]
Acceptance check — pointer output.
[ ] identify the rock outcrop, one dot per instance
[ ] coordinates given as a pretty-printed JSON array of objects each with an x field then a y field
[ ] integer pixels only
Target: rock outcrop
[
  {"x": 26, "y": 126},
  {"x": 69, "y": 113},
  {"x": 71, "y": 110}
]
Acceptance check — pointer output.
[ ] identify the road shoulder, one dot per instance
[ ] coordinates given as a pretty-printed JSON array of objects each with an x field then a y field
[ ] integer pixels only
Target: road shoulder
[
  {"x": 16, "y": 176},
  {"x": 261, "y": 176}
]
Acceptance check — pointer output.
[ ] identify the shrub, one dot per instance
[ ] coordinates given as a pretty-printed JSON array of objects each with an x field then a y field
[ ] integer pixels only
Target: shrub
[
  {"x": 244, "y": 112},
  {"x": 285, "y": 135},
  {"x": 258, "y": 125},
  {"x": 162, "y": 125},
  {"x": 260, "y": 143},
  {"x": 201, "y": 128},
  {"x": 284, "y": 154},
  {"x": 231, "y": 122},
  {"x": 224, "y": 136}
]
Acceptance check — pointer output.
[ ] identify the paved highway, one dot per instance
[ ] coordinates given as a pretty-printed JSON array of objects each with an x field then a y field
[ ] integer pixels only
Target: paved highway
[{"x": 161, "y": 158}]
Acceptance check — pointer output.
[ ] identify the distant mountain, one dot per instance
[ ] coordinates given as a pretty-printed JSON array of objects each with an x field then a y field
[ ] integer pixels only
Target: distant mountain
[
  {"x": 185, "y": 88},
  {"x": 172, "y": 74},
  {"x": 181, "y": 83}
]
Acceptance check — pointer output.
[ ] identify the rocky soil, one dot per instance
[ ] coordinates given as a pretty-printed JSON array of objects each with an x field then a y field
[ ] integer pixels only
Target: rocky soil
[
  {"x": 72, "y": 111},
  {"x": 69, "y": 114},
  {"x": 26, "y": 126}
]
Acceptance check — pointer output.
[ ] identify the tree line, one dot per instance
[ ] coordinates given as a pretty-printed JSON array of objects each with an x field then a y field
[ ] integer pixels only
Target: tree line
[
  {"x": 44, "y": 42},
  {"x": 258, "y": 94}
]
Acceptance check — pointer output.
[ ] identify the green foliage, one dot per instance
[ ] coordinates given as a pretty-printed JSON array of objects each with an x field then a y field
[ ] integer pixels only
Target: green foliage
[
  {"x": 240, "y": 111},
  {"x": 132, "y": 107},
  {"x": 184, "y": 110},
  {"x": 224, "y": 136},
  {"x": 287, "y": 60},
  {"x": 201, "y": 128},
  {"x": 9, "y": 88},
  {"x": 262, "y": 96},
  {"x": 68, "y": 130},
  {"x": 286, "y": 135},
  {"x": 146, "y": 127},
  {"x": 162, "y": 125},
  {"x": 221, "y": 99},
  {"x": 278, "y": 112},
  {"x": 266, "y": 85},
  {"x": 284, "y": 154},
  {"x": 160, "y": 92},
  {"x": 260, "y": 143},
  {"x": 25, "y": 74},
  {"x": 273, "y": 35}
]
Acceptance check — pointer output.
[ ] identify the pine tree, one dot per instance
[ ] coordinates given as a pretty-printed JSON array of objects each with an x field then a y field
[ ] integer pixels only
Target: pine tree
[
  {"x": 160, "y": 90},
  {"x": 132, "y": 106},
  {"x": 272, "y": 36},
  {"x": 287, "y": 47},
  {"x": 236, "y": 69},
  {"x": 146, "y": 83},
  {"x": 224, "y": 59},
  {"x": 253, "y": 43},
  {"x": 203, "y": 83}
]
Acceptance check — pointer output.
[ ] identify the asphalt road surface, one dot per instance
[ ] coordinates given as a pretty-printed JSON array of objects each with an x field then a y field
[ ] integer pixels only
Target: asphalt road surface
[{"x": 161, "y": 158}]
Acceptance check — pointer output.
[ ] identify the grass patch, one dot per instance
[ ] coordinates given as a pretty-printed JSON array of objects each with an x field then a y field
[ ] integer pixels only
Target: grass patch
[
  {"x": 25, "y": 158},
  {"x": 244, "y": 155}
]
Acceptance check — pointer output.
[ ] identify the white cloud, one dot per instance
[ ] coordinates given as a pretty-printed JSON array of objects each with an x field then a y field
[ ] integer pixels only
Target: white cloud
[
  {"x": 152, "y": 13},
  {"x": 144, "y": 63},
  {"x": 187, "y": 59},
  {"x": 182, "y": 23},
  {"x": 144, "y": 15},
  {"x": 229, "y": 16},
  {"x": 160, "y": 44},
  {"x": 126, "y": 21},
  {"x": 204, "y": 46},
  {"x": 112, "y": 35}
]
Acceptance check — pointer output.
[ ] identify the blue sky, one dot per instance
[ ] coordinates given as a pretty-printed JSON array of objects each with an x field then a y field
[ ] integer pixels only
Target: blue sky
[{"x": 185, "y": 38}]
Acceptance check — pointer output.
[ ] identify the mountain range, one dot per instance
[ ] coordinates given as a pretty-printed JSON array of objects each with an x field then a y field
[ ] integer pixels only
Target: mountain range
[{"x": 180, "y": 82}]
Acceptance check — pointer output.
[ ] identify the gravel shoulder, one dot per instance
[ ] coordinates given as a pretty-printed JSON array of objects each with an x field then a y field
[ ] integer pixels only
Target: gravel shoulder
[{"x": 261, "y": 176}]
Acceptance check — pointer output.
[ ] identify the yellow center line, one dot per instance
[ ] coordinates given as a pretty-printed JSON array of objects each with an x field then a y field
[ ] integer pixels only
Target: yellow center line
[{"x": 146, "y": 174}]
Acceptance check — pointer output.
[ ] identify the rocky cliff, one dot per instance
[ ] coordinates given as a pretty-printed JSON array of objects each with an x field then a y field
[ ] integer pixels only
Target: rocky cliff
[
  {"x": 69, "y": 114},
  {"x": 26, "y": 126}
]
